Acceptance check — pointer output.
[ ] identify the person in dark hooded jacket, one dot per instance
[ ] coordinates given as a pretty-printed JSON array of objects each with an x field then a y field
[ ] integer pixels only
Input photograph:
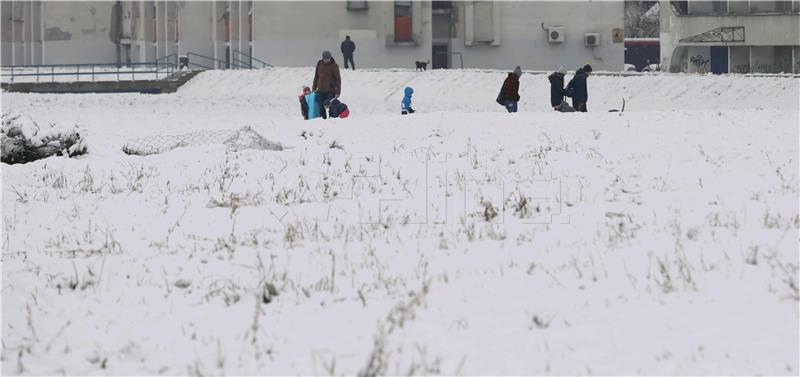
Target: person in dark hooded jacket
[
  {"x": 348, "y": 47},
  {"x": 557, "y": 87},
  {"x": 510, "y": 91},
  {"x": 577, "y": 88}
]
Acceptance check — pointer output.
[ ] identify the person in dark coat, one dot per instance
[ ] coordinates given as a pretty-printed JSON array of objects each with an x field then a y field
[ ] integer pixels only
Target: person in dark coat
[
  {"x": 510, "y": 90},
  {"x": 327, "y": 82},
  {"x": 557, "y": 91},
  {"x": 348, "y": 47},
  {"x": 577, "y": 88}
]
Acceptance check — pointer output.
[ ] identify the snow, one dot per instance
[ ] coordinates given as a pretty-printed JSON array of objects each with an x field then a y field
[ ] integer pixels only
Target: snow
[{"x": 457, "y": 240}]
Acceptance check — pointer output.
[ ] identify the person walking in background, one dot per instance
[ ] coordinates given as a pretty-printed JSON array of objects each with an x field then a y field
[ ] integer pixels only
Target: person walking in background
[
  {"x": 557, "y": 91},
  {"x": 510, "y": 92},
  {"x": 348, "y": 47},
  {"x": 577, "y": 88},
  {"x": 327, "y": 82}
]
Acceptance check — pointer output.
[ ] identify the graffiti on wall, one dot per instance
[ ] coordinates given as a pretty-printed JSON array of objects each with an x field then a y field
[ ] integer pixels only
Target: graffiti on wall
[
  {"x": 700, "y": 62},
  {"x": 762, "y": 68}
]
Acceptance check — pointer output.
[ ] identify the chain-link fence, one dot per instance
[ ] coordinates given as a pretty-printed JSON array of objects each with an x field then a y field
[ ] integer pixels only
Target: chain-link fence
[{"x": 243, "y": 138}]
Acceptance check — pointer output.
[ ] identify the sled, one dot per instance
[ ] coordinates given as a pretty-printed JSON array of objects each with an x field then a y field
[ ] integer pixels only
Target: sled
[
  {"x": 501, "y": 99},
  {"x": 616, "y": 110},
  {"x": 313, "y": 110},
  {"x": 564, "y": 107}
]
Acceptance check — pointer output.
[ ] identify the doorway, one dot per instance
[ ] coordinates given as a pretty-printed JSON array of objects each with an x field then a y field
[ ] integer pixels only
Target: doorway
[
  {"x": 719, "y": 59},
  {"x": 442, "y": 34}
]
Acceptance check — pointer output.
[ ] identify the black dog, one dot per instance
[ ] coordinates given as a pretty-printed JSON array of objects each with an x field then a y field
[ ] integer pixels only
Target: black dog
[{"x": 422, "y": 66}]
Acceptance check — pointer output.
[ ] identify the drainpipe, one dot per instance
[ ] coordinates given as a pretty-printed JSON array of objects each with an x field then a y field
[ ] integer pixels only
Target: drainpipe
[
  {"x": 42, "y": 26},
  {"x": 115, "y": 30},
  {"x": 166, "y": 28},
  {"x": 214, "y": 31},
  {"x": 32, "y": 38}
]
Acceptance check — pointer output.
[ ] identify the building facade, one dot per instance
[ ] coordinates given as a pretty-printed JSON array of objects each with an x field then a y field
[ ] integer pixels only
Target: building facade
[
  {"x": 388, "y": 34},
  {"x": 730, "y": 36}
]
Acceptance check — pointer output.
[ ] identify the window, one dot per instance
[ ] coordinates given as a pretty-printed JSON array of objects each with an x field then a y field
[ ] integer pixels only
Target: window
[
  {"x": 442, "y": 5},
  {"x": 783, "y": 6},
  {"x": 356, "y": 5},
  {"x": 719, "y": 6},
  {"x": 173, "y": 26},
  {"x": 402, "y": 21},
  {"x": 483, "y": 21},
  {"x": 763, "y": 6}
]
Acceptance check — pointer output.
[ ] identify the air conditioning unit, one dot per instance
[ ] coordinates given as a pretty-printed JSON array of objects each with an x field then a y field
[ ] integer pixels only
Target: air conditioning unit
[
  {"x": 556, "y": 34},
  {"x": 592, "y": 39}
]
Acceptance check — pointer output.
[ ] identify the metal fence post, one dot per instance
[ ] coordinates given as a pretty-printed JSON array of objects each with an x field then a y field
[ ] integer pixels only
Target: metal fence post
[
  {"x": 92, "y": 73},
  {"x": 78, "y": 72},
  {"x": 53, "y": 74}
]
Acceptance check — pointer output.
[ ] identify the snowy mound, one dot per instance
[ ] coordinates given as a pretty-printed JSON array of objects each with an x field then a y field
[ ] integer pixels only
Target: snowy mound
[
  {"x": 380, "y": 91},
  {"x": 23, "y": 140}
]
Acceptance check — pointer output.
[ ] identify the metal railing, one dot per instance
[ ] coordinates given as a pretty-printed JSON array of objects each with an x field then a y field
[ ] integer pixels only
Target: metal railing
[
  {"x": 242, "y": 60},
  {"x": 161, "y": 67},
  {"x": 207, "y": 61}
]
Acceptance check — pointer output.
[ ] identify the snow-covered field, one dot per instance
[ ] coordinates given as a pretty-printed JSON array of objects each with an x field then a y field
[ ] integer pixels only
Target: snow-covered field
[{"x": 458, "y": 240}]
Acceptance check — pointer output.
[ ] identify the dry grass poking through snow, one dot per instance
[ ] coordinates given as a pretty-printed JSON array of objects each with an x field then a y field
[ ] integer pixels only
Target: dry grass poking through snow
[{"x": 446, "y": 243}]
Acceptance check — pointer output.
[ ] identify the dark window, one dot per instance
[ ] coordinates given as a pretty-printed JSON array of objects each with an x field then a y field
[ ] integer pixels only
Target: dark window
[
  {"x": 442, "y": 4},
  {"x": 402, "y": 21},
  {"x": 680, "y": 7},
  {"x": 356, "y": 5},
  {"x": 719, "y": 6},
  {"x": 783, "y": 6}
]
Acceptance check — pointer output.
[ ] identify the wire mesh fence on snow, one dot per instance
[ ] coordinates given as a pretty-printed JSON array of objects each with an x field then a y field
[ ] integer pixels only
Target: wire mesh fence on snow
[{"x": 243, "y": 138}]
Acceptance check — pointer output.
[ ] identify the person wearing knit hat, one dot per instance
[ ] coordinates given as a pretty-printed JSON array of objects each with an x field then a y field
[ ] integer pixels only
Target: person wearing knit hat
[
  {"x": 327, "y": 82},
  {"x": 577, "y": 88},
  {"x": 509, "y": 93},
  {"x": 557, "y": 90}
]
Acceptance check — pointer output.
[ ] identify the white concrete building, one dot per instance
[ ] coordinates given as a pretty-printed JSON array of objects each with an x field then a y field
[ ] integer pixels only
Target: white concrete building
[
  {"x": 388, "y": 34},
  {"x": 730, "y": 36}
]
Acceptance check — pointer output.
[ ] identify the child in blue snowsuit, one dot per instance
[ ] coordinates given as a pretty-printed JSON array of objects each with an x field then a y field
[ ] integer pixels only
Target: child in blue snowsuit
[{"x": 405, "y": 105}]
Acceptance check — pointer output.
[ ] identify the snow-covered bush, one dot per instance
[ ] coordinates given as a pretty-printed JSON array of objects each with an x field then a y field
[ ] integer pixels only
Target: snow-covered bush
[{"x": 23, "y": 140}]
